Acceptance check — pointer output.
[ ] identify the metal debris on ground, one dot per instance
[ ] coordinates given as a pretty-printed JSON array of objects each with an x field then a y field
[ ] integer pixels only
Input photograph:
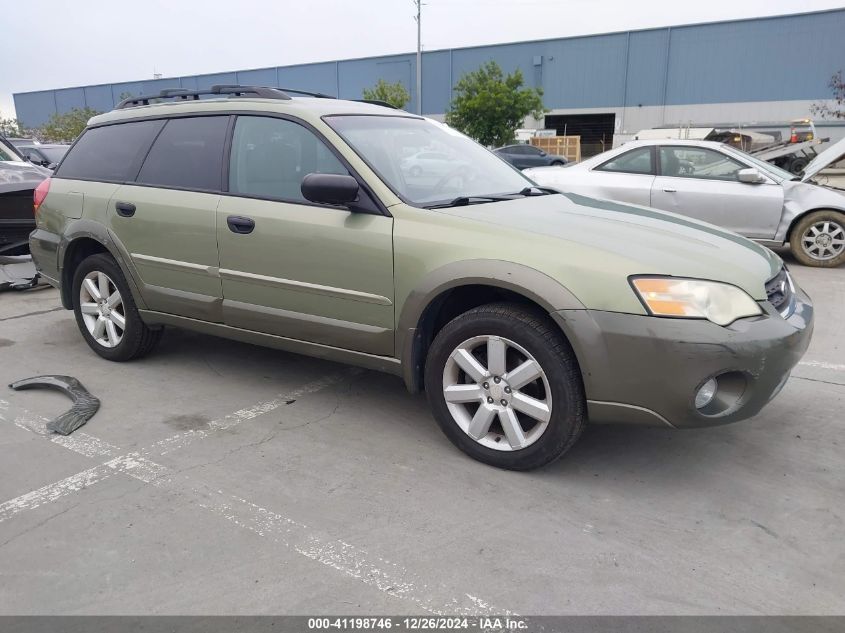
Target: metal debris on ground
[
  {"x": 84, "y": 404},
  {"x": 17, "y": 272}
]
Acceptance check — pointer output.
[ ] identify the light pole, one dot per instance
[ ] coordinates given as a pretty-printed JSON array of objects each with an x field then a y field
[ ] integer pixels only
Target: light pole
[{"x": 419, "y": 55}]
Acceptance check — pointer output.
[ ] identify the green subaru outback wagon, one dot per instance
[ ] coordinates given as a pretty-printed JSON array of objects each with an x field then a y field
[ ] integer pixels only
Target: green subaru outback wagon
[{"x": 367, "y": 235}]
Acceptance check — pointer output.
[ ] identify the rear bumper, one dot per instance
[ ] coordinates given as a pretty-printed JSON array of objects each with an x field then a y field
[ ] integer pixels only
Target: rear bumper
[
  {"x": 44, "y": 247},
  {"x": 647, "y": 370}
]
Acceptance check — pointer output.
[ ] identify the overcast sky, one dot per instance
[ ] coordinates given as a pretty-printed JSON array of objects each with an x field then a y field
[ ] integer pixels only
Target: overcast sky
[{"x": 59, "y": 43}]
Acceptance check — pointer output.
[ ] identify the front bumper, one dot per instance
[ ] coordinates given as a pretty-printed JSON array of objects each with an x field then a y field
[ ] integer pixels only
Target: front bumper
[{"x": 647, "y": 370}]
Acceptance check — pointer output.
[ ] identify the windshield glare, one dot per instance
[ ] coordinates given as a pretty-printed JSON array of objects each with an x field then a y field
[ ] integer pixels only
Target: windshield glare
[
  {"x": 768, "y": 168},
  {"x": 427, "y": 162}
]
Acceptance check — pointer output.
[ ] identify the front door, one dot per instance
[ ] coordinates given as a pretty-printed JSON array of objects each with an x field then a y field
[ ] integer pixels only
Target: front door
[
  {"x": 703, "y": 183},
  {"x": 293, "y": 268},
  {"x": 166, "y": 219}
]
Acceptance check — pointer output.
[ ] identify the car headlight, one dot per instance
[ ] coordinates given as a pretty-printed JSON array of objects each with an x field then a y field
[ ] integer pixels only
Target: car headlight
[{"x": 694, "y": 299}]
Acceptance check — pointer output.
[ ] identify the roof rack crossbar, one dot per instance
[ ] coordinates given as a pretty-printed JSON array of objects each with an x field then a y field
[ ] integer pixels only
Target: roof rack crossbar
[{"x": 184, "y": 94}]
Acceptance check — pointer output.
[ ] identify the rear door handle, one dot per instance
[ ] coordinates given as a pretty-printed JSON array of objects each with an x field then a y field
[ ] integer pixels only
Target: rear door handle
[
  {"x": 125, "y": 209},
  {"x": 240, "y": 224},
  {"x": 670, "y": 190}
]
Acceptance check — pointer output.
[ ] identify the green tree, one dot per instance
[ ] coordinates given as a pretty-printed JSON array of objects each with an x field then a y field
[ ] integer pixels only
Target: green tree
[
  {"x": 64, "y": 128},
  {"x": 490, "y": 106},
  {"x": 11, "y": 127},
  {"x": 829, "y": 111},
  {"x": 393, "y": 93}
]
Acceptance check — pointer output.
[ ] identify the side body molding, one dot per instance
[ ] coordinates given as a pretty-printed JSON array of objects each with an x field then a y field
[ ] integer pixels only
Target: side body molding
[{"x": 528, "y": 282}]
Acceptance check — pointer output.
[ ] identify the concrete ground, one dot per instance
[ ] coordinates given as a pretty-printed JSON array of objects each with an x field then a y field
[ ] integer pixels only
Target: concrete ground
[{"x": 222, "y": 478}]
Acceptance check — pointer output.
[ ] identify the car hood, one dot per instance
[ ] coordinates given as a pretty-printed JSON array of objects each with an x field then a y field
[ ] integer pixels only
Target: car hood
[
  {"x": 829, "y": 156},
  {"x": 633, "y": 239}
]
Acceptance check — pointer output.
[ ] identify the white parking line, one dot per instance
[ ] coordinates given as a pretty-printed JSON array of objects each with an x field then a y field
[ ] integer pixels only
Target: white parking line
[
  {"x": 386, "y": 576},
  {"x": 822, "y": 365}
]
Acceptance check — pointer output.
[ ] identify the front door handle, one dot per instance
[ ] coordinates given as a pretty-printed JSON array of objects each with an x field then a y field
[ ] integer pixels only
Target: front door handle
[
  {"x": 125, "y": 209},
  {"x": 670, "y": 190},
  {"x": 240, "y": 224}
]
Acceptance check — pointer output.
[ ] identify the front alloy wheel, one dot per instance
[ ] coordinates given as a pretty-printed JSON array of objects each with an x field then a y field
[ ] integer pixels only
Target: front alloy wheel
[
  {"x": 102, "y": 309},
  {"x": 504, "y": 386},
  {"x": 497, "y": 393},
  {"x": 819, "y": 239}
]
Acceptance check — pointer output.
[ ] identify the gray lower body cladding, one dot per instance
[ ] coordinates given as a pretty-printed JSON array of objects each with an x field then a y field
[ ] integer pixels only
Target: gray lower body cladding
[{"x": 647, "y": 370}]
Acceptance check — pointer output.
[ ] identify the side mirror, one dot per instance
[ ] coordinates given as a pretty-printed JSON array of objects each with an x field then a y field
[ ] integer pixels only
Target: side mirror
[
  {"x": 52, "y": 166},
  {"x": 542, "y": 153},
  {"x": 330, "y": 188},
  {"x": 750, "y": 176}
]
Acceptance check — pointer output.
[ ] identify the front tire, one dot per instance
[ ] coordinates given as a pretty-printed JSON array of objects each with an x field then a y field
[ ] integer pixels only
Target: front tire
[
  {"x": 106, "y": 313},
  {"x": 819, "y": 239},
  {"x": 505, "y": 387}
]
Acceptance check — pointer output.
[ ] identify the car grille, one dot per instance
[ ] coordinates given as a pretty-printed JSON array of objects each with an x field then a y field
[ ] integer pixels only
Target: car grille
[{"x": 779, "y": 291}]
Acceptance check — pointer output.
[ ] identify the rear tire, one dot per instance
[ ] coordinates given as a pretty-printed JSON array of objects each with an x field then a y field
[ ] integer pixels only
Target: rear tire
[
  {"x": 518, "y": 420},
  {"x": 818, "y": 239},
  {"x": 106, "y": 313}
]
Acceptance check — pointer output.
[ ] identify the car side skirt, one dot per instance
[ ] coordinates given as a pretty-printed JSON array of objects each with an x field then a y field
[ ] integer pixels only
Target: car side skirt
[{"x": 385, "y": 364}]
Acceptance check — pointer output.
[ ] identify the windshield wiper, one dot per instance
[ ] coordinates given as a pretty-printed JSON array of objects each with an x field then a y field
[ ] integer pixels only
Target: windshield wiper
[
  {"x": 537, "y": 191},
  {"x": 462, "y": 201}
]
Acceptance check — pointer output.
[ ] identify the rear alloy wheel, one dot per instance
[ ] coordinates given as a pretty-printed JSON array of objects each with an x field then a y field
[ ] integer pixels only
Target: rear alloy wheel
[
  {"x": 504, "y": 386},
  {"x": 105, "y": 311},
  {"x": 819, "y": 239}
]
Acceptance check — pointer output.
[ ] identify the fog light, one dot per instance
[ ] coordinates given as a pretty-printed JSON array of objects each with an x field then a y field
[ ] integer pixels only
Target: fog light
[{"x": 706, "y": 394}]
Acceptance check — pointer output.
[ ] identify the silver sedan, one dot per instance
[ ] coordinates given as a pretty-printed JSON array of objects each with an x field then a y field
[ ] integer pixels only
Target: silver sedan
[{"x": 721, "y": 185}]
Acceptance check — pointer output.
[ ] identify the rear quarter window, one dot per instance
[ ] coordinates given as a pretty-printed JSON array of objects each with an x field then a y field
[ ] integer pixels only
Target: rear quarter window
[{"x": 112, "y": 153}]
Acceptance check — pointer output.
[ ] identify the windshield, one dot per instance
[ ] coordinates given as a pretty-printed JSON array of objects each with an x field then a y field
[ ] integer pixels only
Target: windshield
[
  {"x": 8, "y": 154},
  {"x": 425, "y": 162},
  {"x": 772, "y": 170}
]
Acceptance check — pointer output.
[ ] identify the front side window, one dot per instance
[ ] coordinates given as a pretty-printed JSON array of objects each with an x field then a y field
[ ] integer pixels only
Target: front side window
[
  {"x": 462, "y": 168},
  {"x": 271, "y": 156},
  {"x": 188, "y": 154},
  {"x": 111, "y": 153},
  {"x": 637, "y": 161},
  {"x": 698, "y": 162}
]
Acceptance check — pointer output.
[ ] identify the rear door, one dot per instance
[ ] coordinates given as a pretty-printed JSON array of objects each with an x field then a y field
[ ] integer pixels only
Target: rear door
[
  {"x": 703, "y": 183},
  {"x": 306, "y": 271},
  {"x": 166, "y": 218}
]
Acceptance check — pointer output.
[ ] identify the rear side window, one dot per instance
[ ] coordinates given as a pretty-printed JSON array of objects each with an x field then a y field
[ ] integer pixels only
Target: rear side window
[
  {"x": 188, "y": 154},
  {"x": 112, "y": 153},
  {"x": 270, "y": 157},
  {"x": 637, "y": 161}
]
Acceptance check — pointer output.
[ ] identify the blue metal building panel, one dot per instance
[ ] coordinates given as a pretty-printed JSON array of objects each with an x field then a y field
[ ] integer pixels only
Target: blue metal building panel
[
  {"x": 646, "y": 68},
  {"x": 771, "y": 59},
  {"x": 436, "y": 82},
  {"x": 258, "y": 77},
  {"x": 311, "y": 77},
  {"x": 99, "y": 97},
  {"x": 69, "y": 98},
  {"x": 766, "y": 59},
  {"x": 35, "y": 108},
  {"x": 360, "y": 74}
]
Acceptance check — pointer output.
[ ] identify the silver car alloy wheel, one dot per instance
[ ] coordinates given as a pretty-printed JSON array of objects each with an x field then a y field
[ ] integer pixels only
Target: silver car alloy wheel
[
  {"x": 102, "y": 309},
  {"x": 497, "y": 393},
  {"x": 824, "y": 240}
]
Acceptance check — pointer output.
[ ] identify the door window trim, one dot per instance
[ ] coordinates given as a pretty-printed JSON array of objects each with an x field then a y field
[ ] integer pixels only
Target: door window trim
[
  {"x": 378, "y": 207},
  {"x": 370, "y": 203},
  {"x": 722, "y": 180},
  {"x": 654, "y": 155}
]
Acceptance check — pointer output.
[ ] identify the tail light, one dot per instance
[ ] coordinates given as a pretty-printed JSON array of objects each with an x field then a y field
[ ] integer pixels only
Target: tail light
[{"x": 40, "y": 193}]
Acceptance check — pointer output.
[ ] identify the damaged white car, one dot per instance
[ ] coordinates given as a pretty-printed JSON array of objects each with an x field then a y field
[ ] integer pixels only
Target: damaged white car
[{"x": 722, "y": 185}]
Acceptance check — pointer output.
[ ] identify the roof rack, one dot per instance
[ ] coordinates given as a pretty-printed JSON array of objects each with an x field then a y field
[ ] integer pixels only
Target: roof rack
[{"x": 184, "y": 94}]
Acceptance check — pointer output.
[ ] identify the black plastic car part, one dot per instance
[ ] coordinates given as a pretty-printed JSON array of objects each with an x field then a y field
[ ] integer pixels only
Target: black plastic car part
[{"x": 84, "y": 404}]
